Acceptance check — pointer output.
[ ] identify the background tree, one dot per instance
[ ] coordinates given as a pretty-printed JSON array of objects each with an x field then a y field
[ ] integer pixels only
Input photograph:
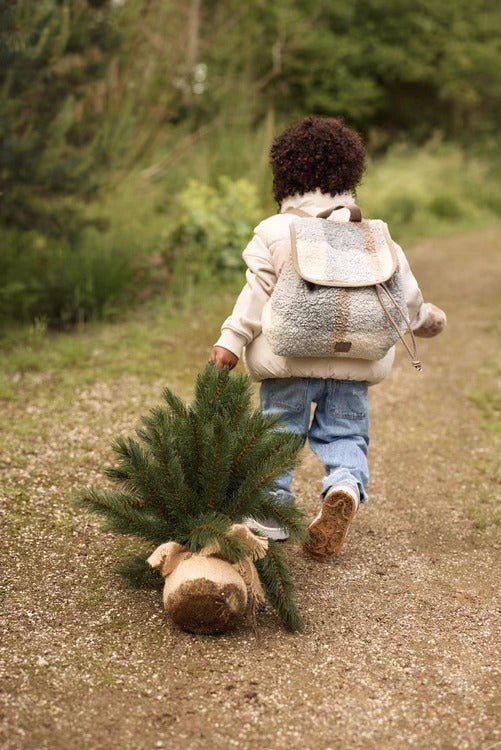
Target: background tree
[
  {"x": 53, "y": 54},
  {"x": 105, "y": 100}
]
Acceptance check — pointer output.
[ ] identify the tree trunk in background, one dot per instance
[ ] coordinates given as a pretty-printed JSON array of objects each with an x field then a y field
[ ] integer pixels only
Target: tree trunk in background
[{"x": 192, "y": 47}]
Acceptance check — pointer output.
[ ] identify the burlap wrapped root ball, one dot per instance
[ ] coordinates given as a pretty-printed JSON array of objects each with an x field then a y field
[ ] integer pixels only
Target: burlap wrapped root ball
[{"x": 206, "y": 594}]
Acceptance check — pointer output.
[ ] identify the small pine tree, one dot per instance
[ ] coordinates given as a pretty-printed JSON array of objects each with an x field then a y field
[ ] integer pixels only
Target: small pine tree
[{"x": 197, "y": 470}]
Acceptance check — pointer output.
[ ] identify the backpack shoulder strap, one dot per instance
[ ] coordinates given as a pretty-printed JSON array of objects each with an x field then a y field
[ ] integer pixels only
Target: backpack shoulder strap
[
  {"x": 355, "y": 213},
  {"x": 299, "y": 212}
]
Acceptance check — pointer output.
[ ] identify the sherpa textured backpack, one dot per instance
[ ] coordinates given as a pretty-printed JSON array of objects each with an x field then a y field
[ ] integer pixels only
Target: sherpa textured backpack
[{"x": 340, "y": 292}]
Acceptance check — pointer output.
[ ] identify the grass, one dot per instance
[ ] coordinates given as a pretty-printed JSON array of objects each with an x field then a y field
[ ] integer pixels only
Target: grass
[
  {"x": 487, "y": 394},
  {"x": 489, "y": 403},
  {"x": 431, "y": 191},
  {"x": 143, "y": 345},
  {"x": 487, "y": 398},
  {"x": 421, "y": 192},
  {"x": 158, "y": 229},
  {"x": 486, "y": 513}
]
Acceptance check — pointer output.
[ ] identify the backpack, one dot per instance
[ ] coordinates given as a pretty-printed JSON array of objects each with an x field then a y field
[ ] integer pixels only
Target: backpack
[{"x": 340, "y": 292}]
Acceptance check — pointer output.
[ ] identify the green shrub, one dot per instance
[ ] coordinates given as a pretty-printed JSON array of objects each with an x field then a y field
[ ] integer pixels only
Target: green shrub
[
  {"x": 401, "y": 209},
  {"x": 445, "y": 207},
  {"x": 62, "y": 285},
  {"x": 431, "y": 190},
  {"x": 161, "y": 238},
  {"x": 144, "y": 251},
  {"x": 210, "y": 230}
]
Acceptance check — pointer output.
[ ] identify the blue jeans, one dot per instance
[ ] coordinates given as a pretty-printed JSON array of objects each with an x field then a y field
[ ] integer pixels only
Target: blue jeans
[{"x": 339, "y": 431}]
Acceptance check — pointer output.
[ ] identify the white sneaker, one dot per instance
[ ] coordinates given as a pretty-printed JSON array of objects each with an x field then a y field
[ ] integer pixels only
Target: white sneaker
[
  {"x": 328, "y": 531},
  {"x": 269, "y": 528}
]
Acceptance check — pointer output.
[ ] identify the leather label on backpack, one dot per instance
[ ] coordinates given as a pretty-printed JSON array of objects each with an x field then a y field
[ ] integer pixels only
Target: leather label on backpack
[{"x": 342, "y": 346}]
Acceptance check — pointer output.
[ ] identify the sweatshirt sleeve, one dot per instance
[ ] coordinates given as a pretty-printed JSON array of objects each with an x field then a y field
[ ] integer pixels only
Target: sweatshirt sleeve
[
  {"x": 244, "y": 323},
  {"x": 426, "y": 319},
  {"x": 417, "y": 308}
]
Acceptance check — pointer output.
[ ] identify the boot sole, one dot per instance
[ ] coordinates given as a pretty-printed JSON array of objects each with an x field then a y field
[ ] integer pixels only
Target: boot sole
[{"x": 327, "y": 534}]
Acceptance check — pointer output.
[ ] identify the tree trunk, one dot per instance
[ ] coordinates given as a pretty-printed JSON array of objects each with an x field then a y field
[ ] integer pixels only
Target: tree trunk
[{"x": 192, "y": 46}]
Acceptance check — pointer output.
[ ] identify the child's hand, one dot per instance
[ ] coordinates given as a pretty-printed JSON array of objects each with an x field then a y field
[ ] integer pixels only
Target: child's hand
[
  {"x": 435, "y": 323},
  {"x": 222, "y": 358}
]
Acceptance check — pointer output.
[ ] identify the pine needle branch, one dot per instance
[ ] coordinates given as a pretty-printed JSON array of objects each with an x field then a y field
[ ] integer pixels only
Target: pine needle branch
[
  {"x": 210, "y": 528},
  {"x": 137, "y": 470},
  {"x": 124, "y": 515},
  {"x": 277, "y": 582},
  {"x": 176, "y": 404},
  {"x": 138, "y": 574},
  {"x": 264, "y": 475}
]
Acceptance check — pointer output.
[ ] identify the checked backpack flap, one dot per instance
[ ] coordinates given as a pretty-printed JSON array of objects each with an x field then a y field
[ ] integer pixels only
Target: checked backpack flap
[{"x": 340, "y": 292}]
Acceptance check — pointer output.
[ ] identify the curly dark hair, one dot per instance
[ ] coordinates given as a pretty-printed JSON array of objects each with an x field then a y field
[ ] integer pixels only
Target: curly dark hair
[{"x": 317, "y": 153}]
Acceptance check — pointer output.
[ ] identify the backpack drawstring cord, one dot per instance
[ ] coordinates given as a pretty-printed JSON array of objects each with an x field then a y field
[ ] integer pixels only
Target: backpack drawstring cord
[{"x": 412, "y": 352}]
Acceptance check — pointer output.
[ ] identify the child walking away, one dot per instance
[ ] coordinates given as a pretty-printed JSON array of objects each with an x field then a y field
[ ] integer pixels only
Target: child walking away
[{"x": 327, "y": 297}]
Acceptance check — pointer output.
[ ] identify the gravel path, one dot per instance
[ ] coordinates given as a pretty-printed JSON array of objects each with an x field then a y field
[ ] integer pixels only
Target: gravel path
[{"x": 402, "y": 641}]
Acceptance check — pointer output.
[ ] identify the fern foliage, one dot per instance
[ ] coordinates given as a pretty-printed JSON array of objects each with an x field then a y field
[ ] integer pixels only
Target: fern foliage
[{"x": 194, "y": 470}]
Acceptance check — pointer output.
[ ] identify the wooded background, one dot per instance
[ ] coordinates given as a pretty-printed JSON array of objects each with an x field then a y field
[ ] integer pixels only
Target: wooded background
[{"x": 135, "y": 133}]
